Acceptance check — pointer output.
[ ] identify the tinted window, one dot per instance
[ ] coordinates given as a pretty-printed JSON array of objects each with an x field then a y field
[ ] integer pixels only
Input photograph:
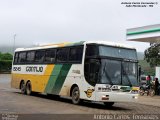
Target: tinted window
[
  {"x": 50, "y": 55},
  {"x": 76, "y": 54},
  {"x": 129, "y": 73},
  {"x": 117, "y": 52},
  {"x": 22, "y": 57},
  {"x": 62, "y": 55},
  {"x": 91, "y": 70},
  {"x": 30, "y": 56},
  {"x": 110, "y": 72},
  {"x": 39, "y": 56},
  {"x": 92, "y": 50},
  {"x": 16, "y": 58}
]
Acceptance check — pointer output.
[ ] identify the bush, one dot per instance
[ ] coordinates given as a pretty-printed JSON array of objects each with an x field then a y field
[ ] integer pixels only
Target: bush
[
  {"x": 5, "y": 56},
  {"x": 5, "y": 65}
]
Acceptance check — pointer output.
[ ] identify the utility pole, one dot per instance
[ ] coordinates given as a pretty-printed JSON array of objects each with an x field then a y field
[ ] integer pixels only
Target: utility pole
[{"x": 14, "y": 40}]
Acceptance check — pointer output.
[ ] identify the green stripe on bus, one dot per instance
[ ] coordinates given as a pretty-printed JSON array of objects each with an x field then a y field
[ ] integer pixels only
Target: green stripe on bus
[
  {"x": 61, "y": 78},
  {"x": 53, "y": 77}
]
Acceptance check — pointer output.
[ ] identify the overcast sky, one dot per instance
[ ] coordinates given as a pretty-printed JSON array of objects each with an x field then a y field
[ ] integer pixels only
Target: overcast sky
[{"x": 53, "y": 21}]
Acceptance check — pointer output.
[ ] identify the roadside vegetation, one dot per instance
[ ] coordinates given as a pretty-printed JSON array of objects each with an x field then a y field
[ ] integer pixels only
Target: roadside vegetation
[
  {"x": 151, "y": 59},
  {"x": 5, "y": 62}
]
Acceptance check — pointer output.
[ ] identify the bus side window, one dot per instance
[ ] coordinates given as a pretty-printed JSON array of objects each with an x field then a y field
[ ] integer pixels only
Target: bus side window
[
  {"x": 16, "y": 58},
  {"x": 39, "y": 56},
  {"x": 30, "y": 56},
  {"x": 50, "y": 55},
  {"x": 22, "y": 57},
  {"x": 62, "y": 55},
  {"x": 76, "y": 54}
]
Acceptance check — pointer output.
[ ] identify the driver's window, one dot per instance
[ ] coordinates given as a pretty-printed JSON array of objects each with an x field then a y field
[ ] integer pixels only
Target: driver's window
[{"x": 91, "y": 72}]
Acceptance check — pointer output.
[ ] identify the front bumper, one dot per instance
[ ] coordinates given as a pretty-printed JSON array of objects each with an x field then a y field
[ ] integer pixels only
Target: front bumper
[{"x": 116, "y": 97}]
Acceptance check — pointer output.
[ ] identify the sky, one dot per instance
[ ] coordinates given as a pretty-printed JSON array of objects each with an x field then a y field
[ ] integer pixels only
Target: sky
[{"x": 54, "y": 21}]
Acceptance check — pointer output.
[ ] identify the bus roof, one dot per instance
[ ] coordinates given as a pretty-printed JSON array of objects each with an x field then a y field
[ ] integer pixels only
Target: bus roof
[
  {"x": 75, "y": 44},
  {"x": 110, "y": 44}
]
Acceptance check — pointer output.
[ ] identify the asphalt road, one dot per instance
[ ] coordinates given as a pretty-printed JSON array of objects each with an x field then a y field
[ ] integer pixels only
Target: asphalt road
[{"x": 12, "y": 101}]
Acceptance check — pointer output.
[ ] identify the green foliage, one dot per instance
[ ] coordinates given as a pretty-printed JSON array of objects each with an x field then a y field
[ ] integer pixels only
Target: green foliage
[
  {"x": 152, "y": 55},
  {"x": 6, "y": 56},
  {"x": 5, "y": 65},
  {"x": 5, "y": 62}
]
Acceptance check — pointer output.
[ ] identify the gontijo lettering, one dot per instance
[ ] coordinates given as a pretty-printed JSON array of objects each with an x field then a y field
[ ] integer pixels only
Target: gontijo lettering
[{"x": 34, "y": 69}]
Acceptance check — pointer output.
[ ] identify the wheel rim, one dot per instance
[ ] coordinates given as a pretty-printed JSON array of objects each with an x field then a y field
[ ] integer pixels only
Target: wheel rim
[{"x": 75, "y": 95}]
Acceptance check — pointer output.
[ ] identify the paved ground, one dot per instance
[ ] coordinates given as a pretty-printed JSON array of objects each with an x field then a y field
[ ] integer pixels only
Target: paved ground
[{"x": 12, "y": 101}]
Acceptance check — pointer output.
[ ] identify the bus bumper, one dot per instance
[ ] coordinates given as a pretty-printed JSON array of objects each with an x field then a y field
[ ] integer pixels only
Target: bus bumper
[{"x": 115, "y": 97}]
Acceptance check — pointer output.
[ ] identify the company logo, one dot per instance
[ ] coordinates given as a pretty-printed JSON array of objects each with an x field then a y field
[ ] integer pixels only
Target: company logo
[{"x": 89, "y": 92}]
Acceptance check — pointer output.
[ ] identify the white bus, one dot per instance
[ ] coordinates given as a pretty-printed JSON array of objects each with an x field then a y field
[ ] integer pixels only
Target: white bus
[{"x": 95, "y": 71}]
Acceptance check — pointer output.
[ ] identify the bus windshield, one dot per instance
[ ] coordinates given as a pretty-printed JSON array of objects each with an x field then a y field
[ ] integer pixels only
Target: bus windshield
[
  {"x": 116, "y": 72},
  {"x": 117, "y": 65}
]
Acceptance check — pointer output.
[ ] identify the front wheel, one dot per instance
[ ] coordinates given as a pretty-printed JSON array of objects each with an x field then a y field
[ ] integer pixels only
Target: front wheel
[
  {"x": 108, "y": 104},
  {"x": 75, "y": 95}
]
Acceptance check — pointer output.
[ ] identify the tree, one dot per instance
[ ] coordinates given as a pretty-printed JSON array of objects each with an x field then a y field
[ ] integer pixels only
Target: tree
[
  {"x": 6, "y": 56},
  {"x": 5, "y": 62},
  {"x": 0, "y": 55},
  {"x": 152, "y": 54}
]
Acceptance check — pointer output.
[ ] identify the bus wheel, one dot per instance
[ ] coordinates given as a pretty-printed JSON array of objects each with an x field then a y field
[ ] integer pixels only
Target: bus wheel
[
  {"x": 23, "y": 87},
  {"x": 75, "y": 95},
  {"x": 28, "y": 88},
  {"x": 108, "y": 104}
]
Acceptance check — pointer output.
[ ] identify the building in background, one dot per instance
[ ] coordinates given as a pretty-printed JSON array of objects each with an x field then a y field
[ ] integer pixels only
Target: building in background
[{"x": 150, "y": 34}]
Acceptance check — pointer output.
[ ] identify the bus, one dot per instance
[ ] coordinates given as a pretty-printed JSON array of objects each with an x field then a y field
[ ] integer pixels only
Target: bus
[{"x": 96, "y": 71}]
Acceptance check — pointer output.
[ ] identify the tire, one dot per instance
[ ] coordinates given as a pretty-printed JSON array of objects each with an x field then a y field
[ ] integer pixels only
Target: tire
[
  {"x": 28, "y": 88},
  {"x": 108, "y": 104},
  {"x": 23, "y": 87},
  {"x": 75, "y": 96}
]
